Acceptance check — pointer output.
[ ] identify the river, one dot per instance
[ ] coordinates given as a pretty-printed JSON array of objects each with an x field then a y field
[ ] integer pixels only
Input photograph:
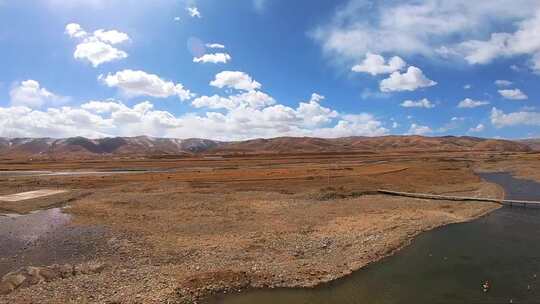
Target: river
[{"x": 446, "y": 265}]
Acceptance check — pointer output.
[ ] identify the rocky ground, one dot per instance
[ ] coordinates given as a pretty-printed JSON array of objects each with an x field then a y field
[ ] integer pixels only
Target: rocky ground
[{"x": 214, "y": 226}]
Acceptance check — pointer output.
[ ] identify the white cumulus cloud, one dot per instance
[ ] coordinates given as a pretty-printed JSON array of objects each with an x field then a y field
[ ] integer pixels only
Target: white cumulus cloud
[
  {"x": 423, "y": 103},
  {"x": 112, "y": 36},
  {"x": 524, "y": 41},
  {"x": 20, "y": 121},
  {"x": 75, "y": 30},
  {"x": 363, "y": 124},
  {"x": 139, "y": 83},
  {"x": 313, "y": 114},
  {"x": 513, "y": 94},
  {"x": 243, "y": 116},
  {"x": 500, "y": 119},
  {"x": 30, "y": 93},
  {"x": 376, "y": 64},
  {"x": 432, "y": 28},
  {"x": 235, "y": 80},
  {"x": 215, "y": 46},
  {"x": 213, "y": 58},
  {"x": 411, "y": 80},
  {"x": 97, "y": 48},
  {"x": 98, "y": 52},
  {"x": 245, "y": 113},
  {"x": 416, "y": 129},
  {"x": 250, "y": 99}
]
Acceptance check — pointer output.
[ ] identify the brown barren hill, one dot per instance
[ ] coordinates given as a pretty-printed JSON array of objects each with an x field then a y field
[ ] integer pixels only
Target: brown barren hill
[
  {"x": 144, "y": 146},
  {"x": 370, "y": 144},
  {"x": 533, "y": 143}
]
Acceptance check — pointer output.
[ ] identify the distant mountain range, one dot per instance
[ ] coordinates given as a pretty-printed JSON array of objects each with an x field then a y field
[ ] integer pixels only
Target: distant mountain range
[
  {"x": 80, "y": 147},
  {"x": 534, "y": 143}
]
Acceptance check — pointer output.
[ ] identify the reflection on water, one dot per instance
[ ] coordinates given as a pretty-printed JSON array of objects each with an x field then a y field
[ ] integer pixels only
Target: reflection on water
[
  {"x": 44, "y": 238},
  {"x": 21, "y": 235},
  {"x": 32, "y": 226},
  {"x": 447, "y": 265}
]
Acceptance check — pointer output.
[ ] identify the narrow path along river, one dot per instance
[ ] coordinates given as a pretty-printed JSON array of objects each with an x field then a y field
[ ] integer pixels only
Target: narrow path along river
[{"x": 446, "y": 265}]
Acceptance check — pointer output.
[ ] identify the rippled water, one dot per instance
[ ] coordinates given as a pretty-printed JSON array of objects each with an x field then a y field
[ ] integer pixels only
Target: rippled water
[{"x": 447, "y": 265}]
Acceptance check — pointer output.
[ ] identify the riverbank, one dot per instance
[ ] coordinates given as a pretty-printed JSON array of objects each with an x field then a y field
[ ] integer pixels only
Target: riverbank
[
  {"x": 181, "y": 236},
  {"x": 446, "y": 265}
]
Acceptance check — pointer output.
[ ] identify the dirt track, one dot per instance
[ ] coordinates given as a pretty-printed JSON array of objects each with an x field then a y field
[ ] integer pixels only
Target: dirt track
[{"x": 212, "y": 225}]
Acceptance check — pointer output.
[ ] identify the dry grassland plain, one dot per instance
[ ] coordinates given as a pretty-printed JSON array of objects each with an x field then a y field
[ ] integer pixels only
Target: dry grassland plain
[{"x": 191, "y": 227}]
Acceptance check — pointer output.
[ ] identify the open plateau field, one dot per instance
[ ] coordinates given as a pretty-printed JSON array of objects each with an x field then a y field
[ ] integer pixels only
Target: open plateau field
[{"x": 179, "y": 229}]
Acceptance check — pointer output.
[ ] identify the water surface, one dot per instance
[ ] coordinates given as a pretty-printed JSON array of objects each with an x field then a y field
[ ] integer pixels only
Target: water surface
[
  {"x": 43, "y": 238},
  {"x": 446, "y": 265}
]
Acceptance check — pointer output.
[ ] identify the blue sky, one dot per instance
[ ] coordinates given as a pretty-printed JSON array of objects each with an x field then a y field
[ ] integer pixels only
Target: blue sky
[{"x": 241, "y": 69}]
